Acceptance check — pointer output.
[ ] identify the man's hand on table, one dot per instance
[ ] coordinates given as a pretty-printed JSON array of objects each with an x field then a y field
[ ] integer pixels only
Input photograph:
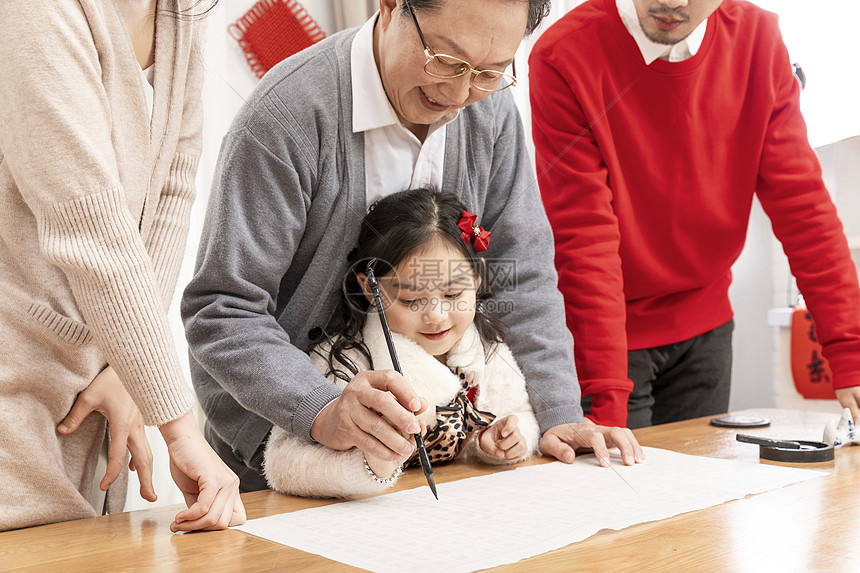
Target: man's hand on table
[
  {"x": 850, "y": 398},
  {"x": 561, "y": 442}
]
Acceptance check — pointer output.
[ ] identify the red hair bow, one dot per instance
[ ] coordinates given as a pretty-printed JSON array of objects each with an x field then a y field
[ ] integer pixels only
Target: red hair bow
[{"x": 472, "y": 231}]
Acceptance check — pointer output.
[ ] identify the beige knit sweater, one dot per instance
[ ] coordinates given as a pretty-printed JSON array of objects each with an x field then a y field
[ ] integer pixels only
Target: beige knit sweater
[{"x": 94, "y": 207}]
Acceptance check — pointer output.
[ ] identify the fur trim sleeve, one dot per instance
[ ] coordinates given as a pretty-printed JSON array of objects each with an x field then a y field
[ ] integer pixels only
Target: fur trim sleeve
[
  {"x": 502, "y": 391},
  {"x": 293, "y": 466}
]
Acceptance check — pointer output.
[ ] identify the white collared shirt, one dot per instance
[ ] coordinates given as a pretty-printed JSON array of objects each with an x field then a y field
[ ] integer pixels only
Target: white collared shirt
[
  {"x": 394, "y": 159},
  {"x": 651, "y": 51}
]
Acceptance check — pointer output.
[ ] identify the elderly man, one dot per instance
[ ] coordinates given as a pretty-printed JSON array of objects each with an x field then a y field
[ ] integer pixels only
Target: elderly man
[
  {"x": 416, "y": 97},
  {"x": 655, "y": 123}
]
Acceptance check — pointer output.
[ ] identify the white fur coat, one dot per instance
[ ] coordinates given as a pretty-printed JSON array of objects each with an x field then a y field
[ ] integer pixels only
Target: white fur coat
[{"x": 292, "y": 465}]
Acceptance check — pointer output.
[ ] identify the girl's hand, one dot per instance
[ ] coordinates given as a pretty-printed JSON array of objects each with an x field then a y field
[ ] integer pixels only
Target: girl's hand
[
  {"x": 503, "y": 439},
  {"x": 382, "y": 468},
  {"x": 107, "y": 396}
]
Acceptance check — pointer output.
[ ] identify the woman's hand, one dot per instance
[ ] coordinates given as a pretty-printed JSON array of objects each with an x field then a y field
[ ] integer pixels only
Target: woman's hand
[
  {"x": 503, "y": 439},
  {"x": 210, "y": 488},
  {"x": 107, "y": 396}
]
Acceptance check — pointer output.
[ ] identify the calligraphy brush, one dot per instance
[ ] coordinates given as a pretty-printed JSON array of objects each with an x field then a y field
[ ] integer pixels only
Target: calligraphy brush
[{"x": 419, "y": 441}]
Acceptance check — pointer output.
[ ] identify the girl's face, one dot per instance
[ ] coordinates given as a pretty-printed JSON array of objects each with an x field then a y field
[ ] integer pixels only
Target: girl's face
[{"x": 430, "y": 297}]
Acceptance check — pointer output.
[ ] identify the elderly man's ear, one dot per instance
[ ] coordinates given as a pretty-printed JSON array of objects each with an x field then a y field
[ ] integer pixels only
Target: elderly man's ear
[{"x": 386, "y": 9}]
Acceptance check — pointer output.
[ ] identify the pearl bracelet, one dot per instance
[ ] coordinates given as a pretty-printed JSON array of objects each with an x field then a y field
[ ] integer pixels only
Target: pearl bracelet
[{"x": 398, "y": 471}]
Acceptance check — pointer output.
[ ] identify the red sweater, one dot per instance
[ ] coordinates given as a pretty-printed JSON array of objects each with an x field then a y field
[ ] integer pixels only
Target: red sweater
[{"x": 648, "y": 175}]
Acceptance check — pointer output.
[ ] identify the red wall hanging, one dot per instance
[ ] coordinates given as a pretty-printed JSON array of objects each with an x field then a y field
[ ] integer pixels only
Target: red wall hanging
[{"x": 273, "y": 30}]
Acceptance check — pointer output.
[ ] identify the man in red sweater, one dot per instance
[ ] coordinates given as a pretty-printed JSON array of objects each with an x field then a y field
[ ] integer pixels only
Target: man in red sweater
[{"x": 655, "y": 122}]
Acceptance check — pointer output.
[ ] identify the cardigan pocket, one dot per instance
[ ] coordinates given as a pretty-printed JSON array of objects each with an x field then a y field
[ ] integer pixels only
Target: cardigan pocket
[{"x": 69, "y": 330}]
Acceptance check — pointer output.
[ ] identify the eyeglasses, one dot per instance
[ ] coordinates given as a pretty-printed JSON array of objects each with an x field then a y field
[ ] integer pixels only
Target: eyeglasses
[{"x": 445, "y": 66}]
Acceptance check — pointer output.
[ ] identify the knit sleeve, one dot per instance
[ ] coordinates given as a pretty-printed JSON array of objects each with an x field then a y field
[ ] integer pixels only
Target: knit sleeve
[
  {"x": 56, "y": 142},
  {"x": 255, "y": 222},
  {"x": 520, "y": 259},
  {"x": 574, "y": 187},
  {"x": 169, "y": 232},
  {"x": 805, "y": 221}
]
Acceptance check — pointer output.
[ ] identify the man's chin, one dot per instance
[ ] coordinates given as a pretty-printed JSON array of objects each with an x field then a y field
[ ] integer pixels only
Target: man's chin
[{"x": 665, "y": 38}]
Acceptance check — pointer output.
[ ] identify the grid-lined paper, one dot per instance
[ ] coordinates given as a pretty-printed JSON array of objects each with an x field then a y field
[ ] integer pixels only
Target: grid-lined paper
[{"x": 507, "y": 516}]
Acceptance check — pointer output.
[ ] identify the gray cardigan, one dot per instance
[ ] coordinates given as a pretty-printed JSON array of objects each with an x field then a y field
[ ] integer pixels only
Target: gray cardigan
[{"x": 287, "y": 201}]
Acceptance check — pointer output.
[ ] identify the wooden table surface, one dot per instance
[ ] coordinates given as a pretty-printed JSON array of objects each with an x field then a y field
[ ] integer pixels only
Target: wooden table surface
[{"x": 811, "y": 526}]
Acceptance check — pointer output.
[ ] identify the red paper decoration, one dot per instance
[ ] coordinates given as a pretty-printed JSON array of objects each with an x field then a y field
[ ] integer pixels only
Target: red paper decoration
[
  {"x": 273, "y": 30},
  {"x": 809, "y": 368}
]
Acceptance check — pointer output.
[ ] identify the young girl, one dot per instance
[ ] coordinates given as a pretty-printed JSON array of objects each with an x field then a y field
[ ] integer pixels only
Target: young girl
[{"x": 451, "y": 349}]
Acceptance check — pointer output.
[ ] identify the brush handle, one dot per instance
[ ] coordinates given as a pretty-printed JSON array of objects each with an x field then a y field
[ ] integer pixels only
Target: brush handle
[
  {"x": 767, "y": 442},
  {"x": 386, "y": 331}
]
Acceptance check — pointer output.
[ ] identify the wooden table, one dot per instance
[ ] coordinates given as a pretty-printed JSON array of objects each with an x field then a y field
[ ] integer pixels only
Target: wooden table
[{"x": 812, "y": 526}]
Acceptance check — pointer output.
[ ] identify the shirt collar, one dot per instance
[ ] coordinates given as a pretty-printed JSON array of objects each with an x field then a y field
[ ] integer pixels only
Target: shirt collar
[
  {"x": 651, "y": 51},
  {"x": 370, "y": 106}
]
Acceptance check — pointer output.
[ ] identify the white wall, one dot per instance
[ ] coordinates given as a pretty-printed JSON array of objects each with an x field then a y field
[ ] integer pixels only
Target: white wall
[{"x": 820, "y": 36}]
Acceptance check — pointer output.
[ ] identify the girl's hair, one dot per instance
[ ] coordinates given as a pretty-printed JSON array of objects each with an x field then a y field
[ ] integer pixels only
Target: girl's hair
[{"x": 396, "y": 227}]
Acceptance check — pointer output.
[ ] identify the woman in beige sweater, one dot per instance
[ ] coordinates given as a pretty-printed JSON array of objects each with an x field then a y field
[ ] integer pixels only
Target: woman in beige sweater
[{"x": 100, "y": 130}]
